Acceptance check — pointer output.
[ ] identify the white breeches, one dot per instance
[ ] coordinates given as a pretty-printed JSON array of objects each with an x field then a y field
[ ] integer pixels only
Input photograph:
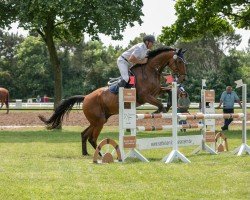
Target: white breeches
[{"x": 123, "y": 66}]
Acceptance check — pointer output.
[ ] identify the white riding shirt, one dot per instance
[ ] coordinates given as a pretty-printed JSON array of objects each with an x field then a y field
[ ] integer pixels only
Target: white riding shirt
[{"x": 139, "y": 51}]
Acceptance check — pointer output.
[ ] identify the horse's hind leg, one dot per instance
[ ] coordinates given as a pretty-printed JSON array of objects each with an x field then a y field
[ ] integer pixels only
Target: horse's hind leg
[
  {"x": 85, "y": 134},
  {"x": 93, "y": 137},
  {"x": 91, "y": 134}
]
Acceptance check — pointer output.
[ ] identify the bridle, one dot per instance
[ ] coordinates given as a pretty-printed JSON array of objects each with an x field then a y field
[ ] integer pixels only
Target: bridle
[{"x": 176, "y": 73}]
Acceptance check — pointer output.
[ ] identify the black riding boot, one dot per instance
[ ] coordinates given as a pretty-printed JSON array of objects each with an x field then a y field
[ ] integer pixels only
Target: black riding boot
[
  {"x": 115, "y": 87},
  {"x": 122, "y": 83}
]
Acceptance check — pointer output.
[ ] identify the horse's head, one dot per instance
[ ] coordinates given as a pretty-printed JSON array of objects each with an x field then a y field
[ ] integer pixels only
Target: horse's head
[
  {"x": 166, "y": 56},
  {"x": 178, "y": 66}
]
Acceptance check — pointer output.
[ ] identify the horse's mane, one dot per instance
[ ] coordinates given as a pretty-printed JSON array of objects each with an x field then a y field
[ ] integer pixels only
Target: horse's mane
[{"x": 156, "y": 52}]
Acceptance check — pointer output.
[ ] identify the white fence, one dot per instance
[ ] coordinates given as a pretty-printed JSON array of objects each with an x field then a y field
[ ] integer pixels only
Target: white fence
[
  {"x": 28, "y": 105},
  {"x": 192, "y": 105}
]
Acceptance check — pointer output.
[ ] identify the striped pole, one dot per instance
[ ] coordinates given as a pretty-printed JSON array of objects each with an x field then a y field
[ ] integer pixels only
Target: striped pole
[
  {"x": 157, "y": 115},
  {"x": 154, "y": 115},
  {"x": 168, "y": 127},
  {"x": 211, "y": 116}
]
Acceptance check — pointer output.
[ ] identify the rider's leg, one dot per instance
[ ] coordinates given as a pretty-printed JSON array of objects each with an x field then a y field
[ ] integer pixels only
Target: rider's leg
[{"x": 123, "y": 68}]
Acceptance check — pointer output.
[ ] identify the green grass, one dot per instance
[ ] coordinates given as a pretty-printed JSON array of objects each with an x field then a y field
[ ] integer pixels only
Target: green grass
[{"x": 41, "y": 164}]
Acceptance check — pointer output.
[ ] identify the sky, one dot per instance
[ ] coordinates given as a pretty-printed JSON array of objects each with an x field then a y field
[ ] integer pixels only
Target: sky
[{"x": 157, "y": 14}]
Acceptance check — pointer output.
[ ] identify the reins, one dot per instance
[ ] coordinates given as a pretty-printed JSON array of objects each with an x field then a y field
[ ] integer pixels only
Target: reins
[{"x": 158, "y": 69}]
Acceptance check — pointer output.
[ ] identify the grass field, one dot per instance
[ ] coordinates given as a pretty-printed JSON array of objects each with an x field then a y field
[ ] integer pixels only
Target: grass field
[{"x": 41, "y": 164}]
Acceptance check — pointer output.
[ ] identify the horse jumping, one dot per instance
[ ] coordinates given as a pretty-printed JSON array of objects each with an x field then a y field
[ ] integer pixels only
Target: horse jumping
[
  {"x": 4, "y": 98},
  {"x": 99, "y": 105}
]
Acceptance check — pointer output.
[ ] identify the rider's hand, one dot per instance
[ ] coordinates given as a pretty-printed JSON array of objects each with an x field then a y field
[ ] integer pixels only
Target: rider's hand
[{"x": 144, "y": 61}]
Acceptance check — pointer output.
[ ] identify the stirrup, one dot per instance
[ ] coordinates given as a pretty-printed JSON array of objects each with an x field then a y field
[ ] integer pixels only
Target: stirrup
[{"x": 113, "y": 81}]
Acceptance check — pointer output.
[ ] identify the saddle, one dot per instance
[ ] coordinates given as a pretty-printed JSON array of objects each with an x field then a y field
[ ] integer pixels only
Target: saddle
[{"x": 113, "y": 83}]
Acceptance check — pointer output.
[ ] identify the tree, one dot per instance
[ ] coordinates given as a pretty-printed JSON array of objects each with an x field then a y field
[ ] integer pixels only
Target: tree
[
  {"x": 243, "y": 58},
  {"x": 68, "y": 20},
  {"x": 99, "y": 65},
  {"x": 8, "y": 61},
  {"x": 87, "y": 66},
  {"x": 33, "y": 73},
  {"x": 206, "y": 60},
  {"x": 197, "y": 18}
]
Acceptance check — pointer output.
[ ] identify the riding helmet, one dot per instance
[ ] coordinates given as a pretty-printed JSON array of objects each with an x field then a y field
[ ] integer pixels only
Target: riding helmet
[{"x": 149, "y": 38}]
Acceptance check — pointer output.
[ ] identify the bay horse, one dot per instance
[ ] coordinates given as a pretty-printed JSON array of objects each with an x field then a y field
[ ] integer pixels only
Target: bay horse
[
  {"x": 100, "y": 104},
  {"x": 4, "y": 98}
]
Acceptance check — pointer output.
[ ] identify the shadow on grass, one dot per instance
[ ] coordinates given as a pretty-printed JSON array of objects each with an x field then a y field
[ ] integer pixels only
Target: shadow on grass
[
  {"x": 54, "y": 136},
  {"x": 58, "y": 136}
]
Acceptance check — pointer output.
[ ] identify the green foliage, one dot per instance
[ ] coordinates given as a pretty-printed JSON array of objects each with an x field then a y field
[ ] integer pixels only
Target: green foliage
[
  {"x": 243, "y": 58},
  {"x": 197, "y": 18},
  {"x": 100, "y": 65},
  {"x": 34, "y": 73},
  {"x": 26, "y": 72},
  {"x": 206, "y": 60},
  {"x": 8, "y": 61},
  {"x": 67, "y": 20},
  {"x": 87, "y": 66}
]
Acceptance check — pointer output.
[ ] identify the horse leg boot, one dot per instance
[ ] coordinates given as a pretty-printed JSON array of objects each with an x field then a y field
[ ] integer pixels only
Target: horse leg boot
[
  {"x": 161, "y": 109},
  {"x": 152, "y": 100},
  {"x": 93, "y": 143},
  {"x": 95, "y": 133},
  {"x": 169, "y": 101}
]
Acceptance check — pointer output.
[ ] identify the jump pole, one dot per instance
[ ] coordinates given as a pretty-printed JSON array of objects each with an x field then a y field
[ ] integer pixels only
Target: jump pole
[
  {"x": 174, "y": 154},
  {"x": 243, "y": 147}
]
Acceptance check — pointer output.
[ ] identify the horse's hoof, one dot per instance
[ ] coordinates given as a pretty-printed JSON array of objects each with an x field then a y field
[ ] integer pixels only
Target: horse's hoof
[{"x": 85, "y": 154}]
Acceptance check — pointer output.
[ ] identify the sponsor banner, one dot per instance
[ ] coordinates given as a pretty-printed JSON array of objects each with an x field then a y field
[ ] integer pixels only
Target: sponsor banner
[
  {"x": 165, "y": 142},
  {"x": 129, "y": 141}
]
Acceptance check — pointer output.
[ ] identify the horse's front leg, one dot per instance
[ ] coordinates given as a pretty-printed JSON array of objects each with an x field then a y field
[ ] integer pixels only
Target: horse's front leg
[{"x": 152, "y": 100}]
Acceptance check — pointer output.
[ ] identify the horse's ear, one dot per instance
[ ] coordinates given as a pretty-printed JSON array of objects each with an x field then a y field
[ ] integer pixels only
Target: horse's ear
[
  {"x": 179, "y": 51},
  {"x": 184, "y": 51}
]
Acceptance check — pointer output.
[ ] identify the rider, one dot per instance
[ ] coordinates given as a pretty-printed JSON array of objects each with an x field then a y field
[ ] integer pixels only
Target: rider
[{"x": 135, "y": 55}]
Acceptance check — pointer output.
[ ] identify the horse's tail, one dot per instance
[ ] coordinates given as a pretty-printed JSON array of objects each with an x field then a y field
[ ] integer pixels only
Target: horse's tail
[{"x": 64, "y": 107}]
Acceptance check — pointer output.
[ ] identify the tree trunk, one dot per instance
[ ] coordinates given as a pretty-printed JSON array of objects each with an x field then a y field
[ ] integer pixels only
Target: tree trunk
[
  {"x": 54, "y": 61},
  {"x": 57, "y": 71}
]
